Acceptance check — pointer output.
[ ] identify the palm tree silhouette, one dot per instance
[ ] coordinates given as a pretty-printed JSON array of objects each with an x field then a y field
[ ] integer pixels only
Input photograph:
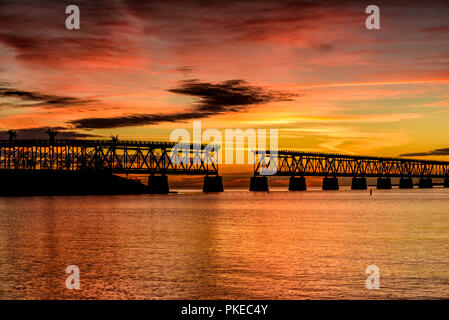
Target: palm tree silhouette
[
  {"x": 52, "y": 134},
  {"x": 12, "y": 135},
  {"x": 114, "y": 138}
]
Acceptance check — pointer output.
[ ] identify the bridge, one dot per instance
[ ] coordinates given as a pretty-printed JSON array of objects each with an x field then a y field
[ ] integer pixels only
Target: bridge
[
  {"x": 297, "y": 165},
  {"x": 157, "y": 159},
  {"x": 53, "y": 165}
]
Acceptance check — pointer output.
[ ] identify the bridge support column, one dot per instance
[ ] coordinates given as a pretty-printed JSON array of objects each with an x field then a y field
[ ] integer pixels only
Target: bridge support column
[
  {"x": 425, "y": 183},
  {"x": 384, "y": 183},
  {"x": 359, "y": 184},
  {"x": 330, "y": 183},
  {"x": 446, "y": 183},
  {"x": 158, "y": 184},
  {"x": 213, "y": 184},
  {"x": 297, "y": 184},
  {"x": 258, "y": 183},
  {"x": 406, "y": 183}
]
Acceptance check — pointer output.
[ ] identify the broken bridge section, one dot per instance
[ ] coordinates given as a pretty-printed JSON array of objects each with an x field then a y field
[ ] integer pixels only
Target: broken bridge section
[
  {"x": 297, "y": 165},
  {"x": 33, "y": 161}
]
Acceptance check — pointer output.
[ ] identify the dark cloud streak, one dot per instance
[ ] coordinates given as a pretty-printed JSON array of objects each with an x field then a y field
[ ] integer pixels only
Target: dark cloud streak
[
  {"x": 228, "y": 96},
  {"x": 436, "y": 152},
  {"x": 28, "y": 99},
  {"x": 214, "y": 99}
]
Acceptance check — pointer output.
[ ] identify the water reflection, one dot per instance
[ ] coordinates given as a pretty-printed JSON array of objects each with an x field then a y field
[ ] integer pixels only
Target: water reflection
[{"x": 235, "y": 245}]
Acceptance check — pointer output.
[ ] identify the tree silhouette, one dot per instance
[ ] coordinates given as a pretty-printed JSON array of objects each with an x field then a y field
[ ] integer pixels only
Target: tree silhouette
[
  {"x": 52, "y": 134},
  {"x": 114, "y": 138},
  {"x": 12, "y": 134}
]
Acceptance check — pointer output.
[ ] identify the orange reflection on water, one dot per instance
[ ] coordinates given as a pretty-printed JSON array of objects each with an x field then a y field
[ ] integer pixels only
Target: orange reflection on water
[{"x": 235, "y": 245}]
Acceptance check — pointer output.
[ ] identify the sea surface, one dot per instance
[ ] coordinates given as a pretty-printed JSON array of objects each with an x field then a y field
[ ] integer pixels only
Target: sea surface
[{"x": 233, "y": 245}]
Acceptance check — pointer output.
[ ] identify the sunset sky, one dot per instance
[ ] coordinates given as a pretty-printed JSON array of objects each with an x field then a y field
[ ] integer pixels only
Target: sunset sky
[{"x": 311, "y": 69}]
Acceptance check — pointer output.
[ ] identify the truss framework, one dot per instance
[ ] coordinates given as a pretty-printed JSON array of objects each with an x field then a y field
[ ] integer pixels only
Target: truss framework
[
  {"x": 146, "y": 157},
  {"x": 290, "y": 163}
]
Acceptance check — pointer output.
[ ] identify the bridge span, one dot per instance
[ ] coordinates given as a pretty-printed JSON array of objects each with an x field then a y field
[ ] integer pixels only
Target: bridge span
[
  {"x": 297, "y": 165},
  {"x": 27, "y": 158},
  {"x": 79, "y": 165}
]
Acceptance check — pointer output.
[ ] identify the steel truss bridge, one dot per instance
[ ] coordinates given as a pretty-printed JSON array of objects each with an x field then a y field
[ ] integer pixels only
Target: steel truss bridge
[
  {"x": 115, "y": 156},
  {"x": 292, "y": 163}
]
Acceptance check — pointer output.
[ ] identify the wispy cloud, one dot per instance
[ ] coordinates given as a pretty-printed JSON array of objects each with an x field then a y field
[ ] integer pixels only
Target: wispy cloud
[
  {"x": 12, "y": 97},
  {"x": 228, "y": 96},
  {"x": 439, "y": 29},
  {"x": 213, "y": 99},
  {"x": 436, "y": 152},
  {"x": 366, "y": 83}
]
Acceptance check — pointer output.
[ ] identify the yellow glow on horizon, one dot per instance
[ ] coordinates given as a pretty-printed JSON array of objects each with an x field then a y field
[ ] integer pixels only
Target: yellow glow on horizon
[{"x": 357, "y": 84}]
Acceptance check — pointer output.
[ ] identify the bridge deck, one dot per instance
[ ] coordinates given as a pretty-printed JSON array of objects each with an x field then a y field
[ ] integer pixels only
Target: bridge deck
[{"x": 295, "y": 163}]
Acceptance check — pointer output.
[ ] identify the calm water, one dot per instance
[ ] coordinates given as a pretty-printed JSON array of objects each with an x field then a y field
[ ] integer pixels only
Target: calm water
[{"x": 234, "y": 245}]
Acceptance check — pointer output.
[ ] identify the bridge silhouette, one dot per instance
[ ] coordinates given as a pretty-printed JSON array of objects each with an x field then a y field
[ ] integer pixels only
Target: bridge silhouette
[
  {"x": 73, "y": 158},
  {"x": 91, "y": 166},
  {"x": 297, "y": 165}
]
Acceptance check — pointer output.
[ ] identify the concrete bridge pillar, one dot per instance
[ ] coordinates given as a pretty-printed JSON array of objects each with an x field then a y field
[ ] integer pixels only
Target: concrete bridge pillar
[
  {"x": 425, "y": 183},
  {"x": 384, "y": 183},
  {"x": 297, "y": 184},
  {"x": 406, "y": 183},
  {"x": 258, "y": 183},
  {"x": 446, "y": 183},
  {"x": 330, "y": 183},
  {"x": 158, "y": 184},
  {"x": 213, "y": 184},
  {"x": 359, "y": 184}
]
